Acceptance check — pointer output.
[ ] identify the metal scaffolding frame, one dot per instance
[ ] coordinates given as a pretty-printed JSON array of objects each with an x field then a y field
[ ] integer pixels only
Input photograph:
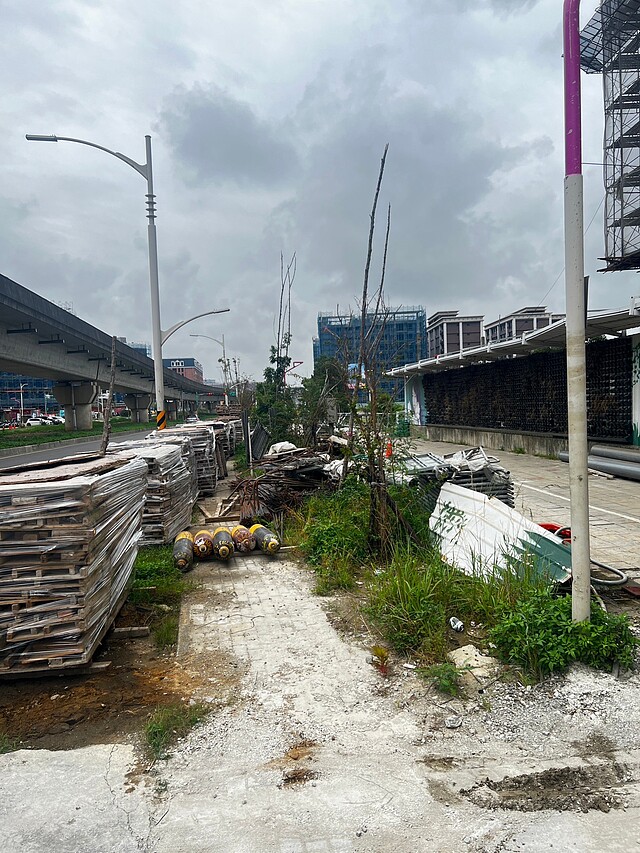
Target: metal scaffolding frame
[{"x": 610, "y": 45}]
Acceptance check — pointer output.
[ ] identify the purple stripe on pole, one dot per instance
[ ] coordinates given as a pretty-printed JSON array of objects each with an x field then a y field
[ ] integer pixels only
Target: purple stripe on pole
[{"x": 572, "y": 125}]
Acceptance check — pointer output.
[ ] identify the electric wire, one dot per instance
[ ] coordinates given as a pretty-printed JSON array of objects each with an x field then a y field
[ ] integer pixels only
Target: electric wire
[{"x": 586, "y": 230}]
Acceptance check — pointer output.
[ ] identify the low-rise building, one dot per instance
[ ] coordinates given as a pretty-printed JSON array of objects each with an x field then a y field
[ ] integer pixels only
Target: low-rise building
[
  {"x": 514, "y": 325},
  {"x": 448, "y": 332}
]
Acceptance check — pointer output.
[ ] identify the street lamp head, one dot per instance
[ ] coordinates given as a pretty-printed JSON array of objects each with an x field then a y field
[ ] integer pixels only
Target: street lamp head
[{"x": 38, "y": 137}]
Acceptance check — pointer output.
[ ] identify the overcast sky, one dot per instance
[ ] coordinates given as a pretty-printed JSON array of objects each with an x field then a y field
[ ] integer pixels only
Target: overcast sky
[{"x": 268, "y": 119}]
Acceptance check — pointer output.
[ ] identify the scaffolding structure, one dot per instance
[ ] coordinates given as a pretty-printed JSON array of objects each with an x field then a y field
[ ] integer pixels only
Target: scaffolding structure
[{"x": 610, "y": 45}]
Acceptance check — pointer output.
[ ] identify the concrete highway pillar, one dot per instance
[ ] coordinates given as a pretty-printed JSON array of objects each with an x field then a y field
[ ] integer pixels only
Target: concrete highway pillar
[
  {"x": 139, "y": 405},
  {"x": 76, "y": 398}
]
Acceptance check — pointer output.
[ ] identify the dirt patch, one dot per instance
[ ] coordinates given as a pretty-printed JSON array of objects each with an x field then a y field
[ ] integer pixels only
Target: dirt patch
[
  {"x": 111, "y": 706},
  {"x": 297, "y": 776},
  {"x": 562, "y": 789},
  {"x": 294, "y": 769}
]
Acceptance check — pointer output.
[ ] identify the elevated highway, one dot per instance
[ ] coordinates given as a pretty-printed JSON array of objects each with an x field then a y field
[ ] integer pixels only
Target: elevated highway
[{"x": 40, "y": 339}]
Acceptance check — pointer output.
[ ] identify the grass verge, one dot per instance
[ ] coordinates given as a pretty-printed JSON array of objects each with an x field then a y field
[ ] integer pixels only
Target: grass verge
[
  {"x": 159, "y": 586},
  {"x": 410, "y": 597},
  {"x": 167, "y": 725}
]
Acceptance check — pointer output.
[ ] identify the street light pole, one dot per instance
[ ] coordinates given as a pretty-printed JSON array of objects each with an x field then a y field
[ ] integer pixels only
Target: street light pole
[
  {"x": 225, "y": 365},
  {"x": 146, "y": 170},
  {"x": 158, "y": 335},
  {"x": 22, "y": 385}
]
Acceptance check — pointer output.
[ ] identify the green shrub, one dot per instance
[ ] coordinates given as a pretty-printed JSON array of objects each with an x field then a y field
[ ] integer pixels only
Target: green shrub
[
  {"x": 332, "y": 532},
  {"x": 445, "y": 677},
  {"x": 539, "y": 635}
]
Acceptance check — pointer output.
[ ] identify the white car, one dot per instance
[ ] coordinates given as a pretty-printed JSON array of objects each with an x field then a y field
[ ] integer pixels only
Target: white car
[{"x": 35, "y": 421}]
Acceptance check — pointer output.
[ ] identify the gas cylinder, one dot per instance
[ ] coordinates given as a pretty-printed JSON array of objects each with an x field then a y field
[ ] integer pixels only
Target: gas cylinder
[
  {"x": 265, "y": 539},
  {"x": 202, "y": 545},
  {"x": 243, "y": 539},
  {"x": 183, "y": 551},
  {"x": 222, "y": 543}
]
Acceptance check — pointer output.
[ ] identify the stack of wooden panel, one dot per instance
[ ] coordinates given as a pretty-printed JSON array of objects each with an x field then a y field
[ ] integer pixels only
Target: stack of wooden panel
[
  {"x": 186, "y": 451},
  {"x": 203, "y": 441},
  {"x": 69, "y": 535},
  {"x": 171, "y": 491}
]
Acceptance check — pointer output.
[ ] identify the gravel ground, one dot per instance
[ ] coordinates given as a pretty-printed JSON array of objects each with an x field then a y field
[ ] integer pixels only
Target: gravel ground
[{"x": 320, "y": 752}]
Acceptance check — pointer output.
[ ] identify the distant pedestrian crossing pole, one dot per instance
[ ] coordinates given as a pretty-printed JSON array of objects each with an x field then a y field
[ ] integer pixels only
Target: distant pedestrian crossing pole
[{"x": 576, "y": 311}]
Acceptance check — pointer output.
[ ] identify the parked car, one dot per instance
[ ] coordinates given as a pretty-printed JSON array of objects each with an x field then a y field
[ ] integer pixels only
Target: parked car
[
  {"x": 36, "y": 421},
  {"x": 55, "y": 419}
]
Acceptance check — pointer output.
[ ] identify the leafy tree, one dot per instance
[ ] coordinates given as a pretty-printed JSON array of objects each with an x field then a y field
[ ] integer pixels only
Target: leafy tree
[
  {"x": 329, "y": 381},
  {"x": 275, "y": 407}
]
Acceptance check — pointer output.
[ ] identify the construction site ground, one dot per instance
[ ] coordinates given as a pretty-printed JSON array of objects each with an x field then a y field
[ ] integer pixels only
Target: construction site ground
[{"x": 309, "y": 747}]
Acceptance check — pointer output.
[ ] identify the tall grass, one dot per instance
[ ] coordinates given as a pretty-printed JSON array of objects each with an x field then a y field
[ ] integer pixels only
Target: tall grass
[
  {"x": 412, "y": 599},
  {"x": 332, "y": 532},
  {"x": 159, "y": 586},
  {"x": 167, "y": 725}
]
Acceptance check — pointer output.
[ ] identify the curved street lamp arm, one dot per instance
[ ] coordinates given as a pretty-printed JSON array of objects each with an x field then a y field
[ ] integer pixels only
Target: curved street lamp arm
[
  {"x": 139, "y": 167},
  {"x": 167, "y": 334}
]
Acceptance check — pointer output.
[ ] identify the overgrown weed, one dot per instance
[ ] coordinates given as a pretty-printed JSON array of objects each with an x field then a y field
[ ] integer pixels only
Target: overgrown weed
[
  {"x": 445, "y": 677},
  {"x": 165, "y": 632},
  {"x": 160, "y": 586},
  {"x": 8, "y": 744},
  {"x": 167, "y": 725},
  {"x": 539, "y": 635},
  {"x": 156, "y": 579},
  {"x": 411, "y": 596},
  {"x": 333, "y": 533}
]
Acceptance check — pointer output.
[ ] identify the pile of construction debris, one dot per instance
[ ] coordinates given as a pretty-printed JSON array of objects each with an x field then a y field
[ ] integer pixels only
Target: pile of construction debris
[
  {"x": 289, "y": 473},
  {"x": 473, "y": 469}
]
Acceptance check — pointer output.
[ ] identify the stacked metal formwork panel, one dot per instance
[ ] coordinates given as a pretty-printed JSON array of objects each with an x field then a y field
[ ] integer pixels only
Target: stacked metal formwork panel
[{"x": 610, "y": 45}]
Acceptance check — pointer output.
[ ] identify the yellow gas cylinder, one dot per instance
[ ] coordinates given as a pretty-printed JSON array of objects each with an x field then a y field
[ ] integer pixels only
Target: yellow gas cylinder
[
  {"x": 222, "y": 543},
  {"x": 265, "y": 539},
  {"x": 203, "y": 545},
  {"x": 243, "y": 538},
  {"x": 183, "y": 551}
]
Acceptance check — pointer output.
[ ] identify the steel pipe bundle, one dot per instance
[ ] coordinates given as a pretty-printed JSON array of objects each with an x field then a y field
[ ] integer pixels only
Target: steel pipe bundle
[{"x": 616, "y": 467}]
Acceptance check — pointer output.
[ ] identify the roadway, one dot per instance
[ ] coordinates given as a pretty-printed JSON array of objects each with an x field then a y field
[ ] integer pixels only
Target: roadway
[{"x": 66, "y": 448}]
